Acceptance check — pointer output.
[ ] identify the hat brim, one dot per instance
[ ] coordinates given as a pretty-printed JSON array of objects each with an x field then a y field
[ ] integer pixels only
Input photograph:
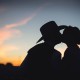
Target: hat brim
[
  {"x": 60, "y": 28},
  {"x": 40, "y": 39}
]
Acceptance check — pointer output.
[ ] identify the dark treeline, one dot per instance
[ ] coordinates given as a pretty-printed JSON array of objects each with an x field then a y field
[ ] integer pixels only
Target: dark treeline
[{"x": 9, "y": 72}]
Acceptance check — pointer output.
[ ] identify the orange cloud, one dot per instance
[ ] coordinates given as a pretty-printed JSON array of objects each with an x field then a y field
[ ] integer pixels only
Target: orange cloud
[
  {"x": 7, "y": 34},
  {"x": 6, "y": 49}
]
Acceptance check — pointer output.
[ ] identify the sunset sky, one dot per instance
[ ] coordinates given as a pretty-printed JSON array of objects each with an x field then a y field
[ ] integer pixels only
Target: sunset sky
[{"x": 20, "y": 21}]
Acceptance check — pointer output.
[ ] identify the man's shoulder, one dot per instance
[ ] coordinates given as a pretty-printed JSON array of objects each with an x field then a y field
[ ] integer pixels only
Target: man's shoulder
[{"x": 36, "y": 47}]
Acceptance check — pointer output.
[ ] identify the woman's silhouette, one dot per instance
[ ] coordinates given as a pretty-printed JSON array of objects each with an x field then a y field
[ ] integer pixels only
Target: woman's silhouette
[
  {"x": 43, "y": 60},
  {"x": 71, "y": 59}
]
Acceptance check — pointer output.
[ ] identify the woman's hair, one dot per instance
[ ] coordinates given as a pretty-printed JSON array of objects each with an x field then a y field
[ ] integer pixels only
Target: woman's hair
[{"x": 71, "y": 35}]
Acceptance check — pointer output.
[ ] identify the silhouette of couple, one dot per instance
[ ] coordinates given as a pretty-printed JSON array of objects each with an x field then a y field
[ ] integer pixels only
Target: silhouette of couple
[{"x": 44, "y": 62}]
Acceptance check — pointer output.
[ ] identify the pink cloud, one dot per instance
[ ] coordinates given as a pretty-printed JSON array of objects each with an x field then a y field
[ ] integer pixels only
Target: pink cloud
[
  {"x": 6, "y": 34},
  {"x": 7, "y": 31},
  {"x": 22, "y": 22}
]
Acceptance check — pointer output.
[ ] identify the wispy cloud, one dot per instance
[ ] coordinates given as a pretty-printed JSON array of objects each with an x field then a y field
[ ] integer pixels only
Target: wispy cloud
[
  {"x": 7, "y": 31},
  {"x": 22, "y": 22},
  {"x": 26, "y": 20}
]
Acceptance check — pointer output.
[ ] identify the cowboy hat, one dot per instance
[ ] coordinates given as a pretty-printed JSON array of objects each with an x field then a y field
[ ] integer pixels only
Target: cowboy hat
[{"x": 49, "y": 28}]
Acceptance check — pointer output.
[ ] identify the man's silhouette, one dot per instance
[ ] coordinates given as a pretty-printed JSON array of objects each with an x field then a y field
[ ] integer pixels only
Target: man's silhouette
[
  {"x": 42, "y": 61},
  {"x": 71, "y": 59}
]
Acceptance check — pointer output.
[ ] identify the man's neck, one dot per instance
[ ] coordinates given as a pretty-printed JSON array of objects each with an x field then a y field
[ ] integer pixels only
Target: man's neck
[{"x": 50, "y": 44}]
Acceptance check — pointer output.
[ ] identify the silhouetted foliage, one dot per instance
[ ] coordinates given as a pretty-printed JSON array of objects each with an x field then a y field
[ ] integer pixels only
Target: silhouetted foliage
[{"x": 9, "y": 72}]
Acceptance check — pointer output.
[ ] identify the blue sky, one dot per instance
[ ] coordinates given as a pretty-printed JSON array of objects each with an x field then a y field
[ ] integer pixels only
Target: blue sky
[{"x": 20, "y": 21}]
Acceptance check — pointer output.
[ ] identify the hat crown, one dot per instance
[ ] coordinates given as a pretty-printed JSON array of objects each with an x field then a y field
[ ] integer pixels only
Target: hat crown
[
  {"x": 49, "y": 27},
  {"x": 71, "y": 34}
]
